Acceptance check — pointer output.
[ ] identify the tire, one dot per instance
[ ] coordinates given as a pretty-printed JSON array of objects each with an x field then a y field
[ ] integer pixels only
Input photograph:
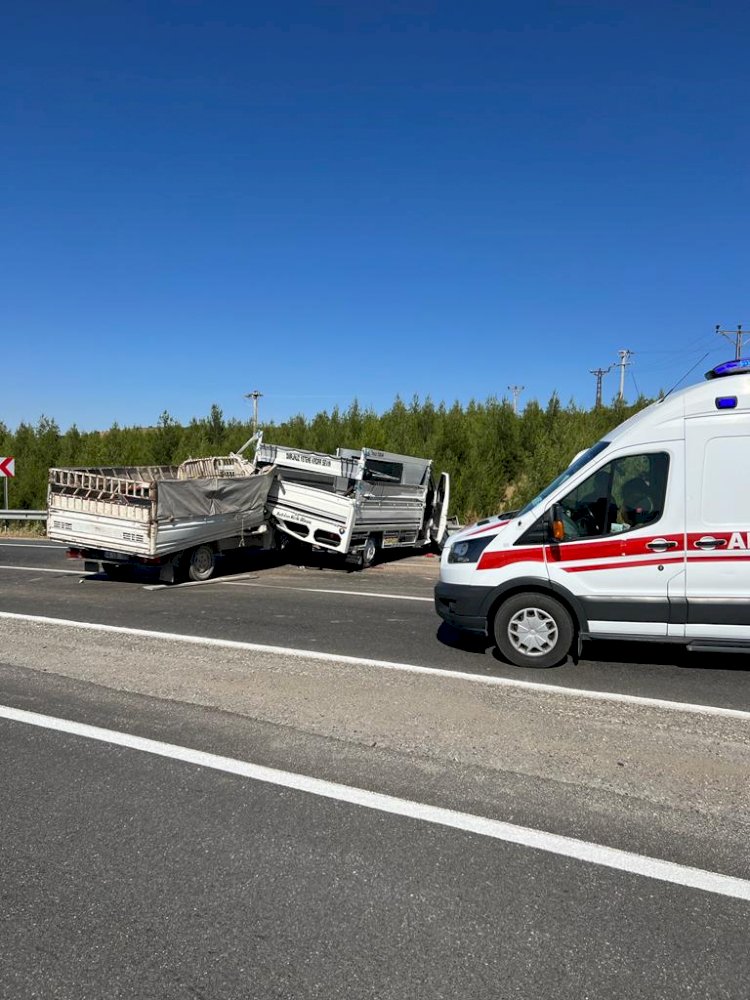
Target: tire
[
  {"x": 370, "y": 551},
  {"x": 533, "y": 630},
  {"x": 201, "y": 563}
]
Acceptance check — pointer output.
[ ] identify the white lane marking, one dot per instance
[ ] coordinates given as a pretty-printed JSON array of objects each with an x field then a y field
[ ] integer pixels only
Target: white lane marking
[
  {"x": 243, "y": 581},
  {"x": 39, "y": 569},
  {"x": 359, "y": 661},
  {"x": 31, "y": 545},
  {"x": 540, "y": 840},
  {"x": 321, "y": 590}
]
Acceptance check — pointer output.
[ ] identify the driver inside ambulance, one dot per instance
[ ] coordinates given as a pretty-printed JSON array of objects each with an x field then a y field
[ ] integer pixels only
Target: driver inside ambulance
[{"x": 637, "y": 506}]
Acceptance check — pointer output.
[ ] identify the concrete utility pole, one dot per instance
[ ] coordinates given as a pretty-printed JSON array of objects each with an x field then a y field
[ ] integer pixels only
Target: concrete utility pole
[
  {"x": 600, "y": 373},
  {"x": 255, "y": 396},
  {"x": 735, "y": 335},
  {"x": 516, "y": 390},
  {"x": 622, "y": 364}
]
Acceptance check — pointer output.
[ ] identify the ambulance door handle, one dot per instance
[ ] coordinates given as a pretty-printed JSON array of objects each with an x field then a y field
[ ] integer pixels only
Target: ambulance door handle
[
  {"x": 709, "y": 542},
  {"x": 661, "y": 545}
]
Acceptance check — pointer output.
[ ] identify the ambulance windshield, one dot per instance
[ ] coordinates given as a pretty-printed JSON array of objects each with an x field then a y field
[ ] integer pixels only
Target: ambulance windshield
[{"x": 571, "y": 470}]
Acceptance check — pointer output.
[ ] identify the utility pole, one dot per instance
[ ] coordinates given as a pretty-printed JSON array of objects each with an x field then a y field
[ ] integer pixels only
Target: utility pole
[
  {"x": 255, "y": 396},
  {"x": 600, "y": 373},
  {"x": 735, "y": 335},
  {"x": 622, "y": 364},
  {"x": 516, "y": 390}
]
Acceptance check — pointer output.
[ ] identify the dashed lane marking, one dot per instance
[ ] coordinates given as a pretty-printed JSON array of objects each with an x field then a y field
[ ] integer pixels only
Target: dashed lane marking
[
  {"x": 245, "y": 581},
  {"x": 30, "y": 545},
  {"x": 323, "y": 590},
  {"x": 39, "y": 569}
]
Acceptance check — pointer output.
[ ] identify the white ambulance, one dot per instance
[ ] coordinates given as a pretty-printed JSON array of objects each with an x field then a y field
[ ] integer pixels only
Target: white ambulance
[{"x": 645, "y": 536}]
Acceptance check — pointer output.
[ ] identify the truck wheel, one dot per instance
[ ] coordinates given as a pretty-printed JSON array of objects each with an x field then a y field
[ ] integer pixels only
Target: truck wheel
[
  {"x": 201, "y": 563},
  {"x": 369, "y": 551},
  {"x": 533, "y": 630}
]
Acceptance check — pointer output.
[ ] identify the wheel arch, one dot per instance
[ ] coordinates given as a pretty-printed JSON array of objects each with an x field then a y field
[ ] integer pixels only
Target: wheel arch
[{"x": 531, "y": 584}]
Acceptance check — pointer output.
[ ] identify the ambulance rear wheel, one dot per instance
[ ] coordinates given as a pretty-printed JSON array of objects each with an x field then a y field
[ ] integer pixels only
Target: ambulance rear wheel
[{"x": 533, "y": 630}]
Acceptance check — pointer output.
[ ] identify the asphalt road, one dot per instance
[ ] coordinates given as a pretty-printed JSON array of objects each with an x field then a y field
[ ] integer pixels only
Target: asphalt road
[
  {"x": 322, "y": 607},
  {"x": 125, "y": 874}
]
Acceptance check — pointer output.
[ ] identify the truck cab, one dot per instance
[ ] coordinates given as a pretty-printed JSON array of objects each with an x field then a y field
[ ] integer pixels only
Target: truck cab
[{"x": 645, "y": 536}]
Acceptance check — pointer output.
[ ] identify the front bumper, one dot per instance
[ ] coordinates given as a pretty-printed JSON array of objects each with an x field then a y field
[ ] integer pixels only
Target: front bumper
[{"x": 463, "y": 606}]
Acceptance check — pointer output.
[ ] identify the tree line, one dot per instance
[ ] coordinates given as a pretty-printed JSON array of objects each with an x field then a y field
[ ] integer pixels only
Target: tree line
[{"x": 497, "y": 459}]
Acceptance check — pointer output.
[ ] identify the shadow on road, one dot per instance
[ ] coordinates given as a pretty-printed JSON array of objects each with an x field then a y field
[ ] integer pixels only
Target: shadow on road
[
  {"x": 467, "y": 641},
  {"x": 606, "y": 652},
  {"x": 240, "y": 560}
]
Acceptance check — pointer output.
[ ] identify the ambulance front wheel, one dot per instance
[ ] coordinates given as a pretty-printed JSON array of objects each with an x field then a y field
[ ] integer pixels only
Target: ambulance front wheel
[{"x": 533, "y": 630}]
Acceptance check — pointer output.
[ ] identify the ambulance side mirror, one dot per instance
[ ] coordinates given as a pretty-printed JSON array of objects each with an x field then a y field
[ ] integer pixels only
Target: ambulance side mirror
[{"x": 556, "y": 525}]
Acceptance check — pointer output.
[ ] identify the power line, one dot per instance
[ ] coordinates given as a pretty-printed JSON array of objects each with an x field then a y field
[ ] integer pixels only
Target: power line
[{"x": 699, "y": 343}]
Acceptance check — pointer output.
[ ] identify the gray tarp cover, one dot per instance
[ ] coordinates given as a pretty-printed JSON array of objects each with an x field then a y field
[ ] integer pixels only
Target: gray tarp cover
[{"x": 186, "y": 498}]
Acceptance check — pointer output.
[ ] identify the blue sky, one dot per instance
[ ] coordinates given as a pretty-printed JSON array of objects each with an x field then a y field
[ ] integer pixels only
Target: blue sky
[{"x": 336, "y": 200}]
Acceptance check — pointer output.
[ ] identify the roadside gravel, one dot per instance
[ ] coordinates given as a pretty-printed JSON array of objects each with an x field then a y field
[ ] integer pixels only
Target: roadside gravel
[{"x": 579, "y": 766}]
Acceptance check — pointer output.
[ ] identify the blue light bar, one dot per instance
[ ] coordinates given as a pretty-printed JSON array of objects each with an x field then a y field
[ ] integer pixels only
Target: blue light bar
[
  {"x": 738, "y": 367},
  {"x": 726, "y": 402}
]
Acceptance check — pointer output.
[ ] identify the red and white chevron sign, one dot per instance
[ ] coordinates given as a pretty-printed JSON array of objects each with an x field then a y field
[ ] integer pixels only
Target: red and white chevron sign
[{"x": 8, "y": 467}]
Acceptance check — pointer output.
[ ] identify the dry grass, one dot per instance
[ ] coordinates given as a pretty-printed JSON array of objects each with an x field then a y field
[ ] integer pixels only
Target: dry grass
[{"x": 21, "y": 529}]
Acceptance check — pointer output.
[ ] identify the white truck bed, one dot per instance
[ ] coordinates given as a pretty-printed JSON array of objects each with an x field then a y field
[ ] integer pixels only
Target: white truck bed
[{"x": 149, "y": 512}]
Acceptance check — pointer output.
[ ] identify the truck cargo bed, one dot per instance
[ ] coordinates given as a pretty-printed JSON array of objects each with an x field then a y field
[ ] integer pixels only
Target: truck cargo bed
[{"x": 152, "y": 511}]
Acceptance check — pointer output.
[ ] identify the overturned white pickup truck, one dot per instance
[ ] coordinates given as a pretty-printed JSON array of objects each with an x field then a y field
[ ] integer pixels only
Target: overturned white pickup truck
[
  {"x": 178, "y": 518},
  {"x": 355, "y": 502}
]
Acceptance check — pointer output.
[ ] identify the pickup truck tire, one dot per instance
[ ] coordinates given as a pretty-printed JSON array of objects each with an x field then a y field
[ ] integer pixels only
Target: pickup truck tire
[
  {"x": 370, "y": 551},
  {"x": 533, "y": 630},
  {"x": 201, "y": 563}
]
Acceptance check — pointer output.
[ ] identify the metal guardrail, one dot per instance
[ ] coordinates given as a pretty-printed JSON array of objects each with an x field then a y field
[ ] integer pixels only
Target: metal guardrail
[{"x": 23, "y": 515}]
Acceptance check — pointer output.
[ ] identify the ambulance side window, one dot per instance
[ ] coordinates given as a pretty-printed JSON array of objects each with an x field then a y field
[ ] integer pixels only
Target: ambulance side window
[{"x": 625, "y": 494}]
